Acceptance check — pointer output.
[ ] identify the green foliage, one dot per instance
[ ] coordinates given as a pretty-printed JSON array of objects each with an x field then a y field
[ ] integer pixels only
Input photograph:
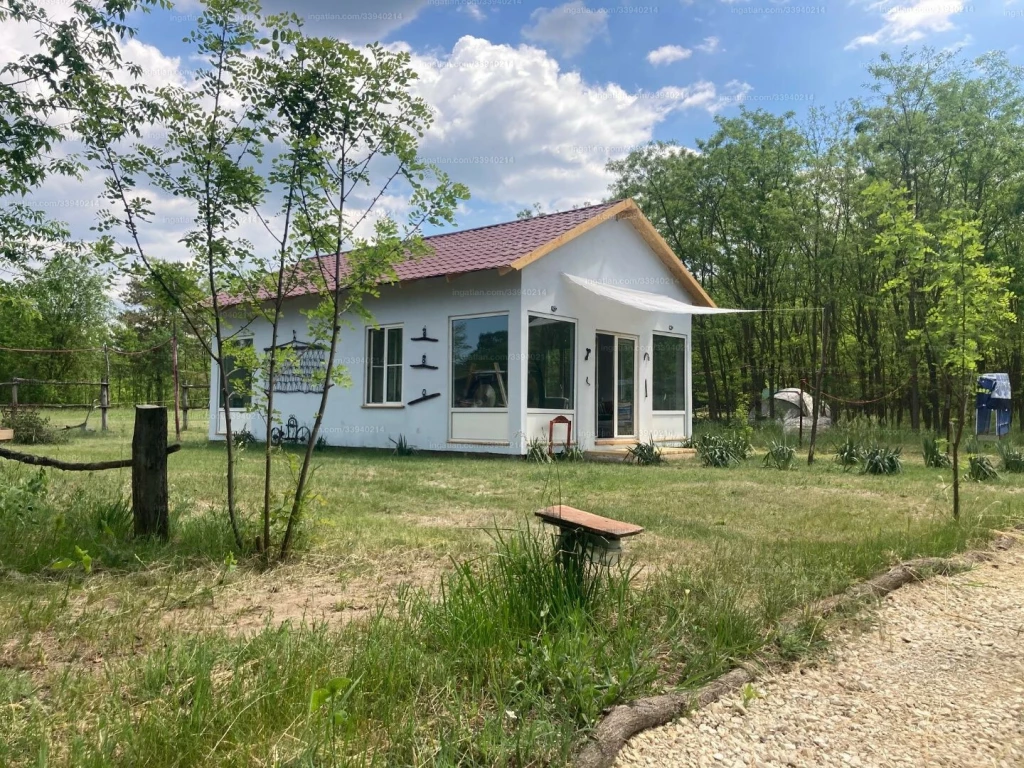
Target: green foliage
[
  {"x": 1012, "y": 457},
  {"x": 882, "y": 460},
  {"x": 717, "y": 450},
  {"x": 537, "y": 451},
  {"x": 31, "y": 427},
  {"x": 644, "y": 454},
  {"x": 849, "y": 453},
  {"x": 980, "y": 468},
  {"x": 780, "y": 456},
  {"x": 402, "y": 447},
  {"x": 936, "y": 453},
  {"x": 572, "y": 453}
]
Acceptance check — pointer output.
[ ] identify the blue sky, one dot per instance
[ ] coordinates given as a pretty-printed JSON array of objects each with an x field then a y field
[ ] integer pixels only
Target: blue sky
[{"x": 533, "y": 98}]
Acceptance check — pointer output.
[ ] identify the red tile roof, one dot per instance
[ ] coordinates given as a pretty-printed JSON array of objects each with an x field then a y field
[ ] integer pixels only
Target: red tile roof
[{"x": 491, "y": 247}]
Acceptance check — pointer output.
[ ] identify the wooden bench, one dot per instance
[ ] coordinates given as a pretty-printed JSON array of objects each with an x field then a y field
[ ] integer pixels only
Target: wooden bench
[
  {"x": 602, "y": 536},
  {"x": 6, "y": 435}
]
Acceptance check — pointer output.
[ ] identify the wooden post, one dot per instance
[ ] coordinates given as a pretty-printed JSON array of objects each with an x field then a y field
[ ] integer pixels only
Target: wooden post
[
  {"x": 177, "y": 389},
  {"x": 104, "y": 404},
  {"x": 801, "y": 438},
  {"x": 14, "y": 396},
  {"x": 149, "y": 471},
  {"x": 105, "y": 390},
  {"x": 184, "y": 407}
]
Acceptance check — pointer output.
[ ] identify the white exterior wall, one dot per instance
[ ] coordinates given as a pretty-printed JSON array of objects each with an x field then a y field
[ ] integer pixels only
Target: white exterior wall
[
  {"x": 427, "y": 425},
  {"x": 612, "y": 253}
]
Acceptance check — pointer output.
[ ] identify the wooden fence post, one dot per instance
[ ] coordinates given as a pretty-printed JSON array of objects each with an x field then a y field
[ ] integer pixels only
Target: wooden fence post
[
  {"x": 149, "y": 471},
  {"x": 104, "y": 404},
  {"x": 184, "y": 407}
]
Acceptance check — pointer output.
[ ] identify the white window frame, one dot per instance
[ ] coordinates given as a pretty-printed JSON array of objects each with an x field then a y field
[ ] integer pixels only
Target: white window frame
[
  {"x": 451, "y": 362},
  {"x": 686, "y": 376},
  {"x": 368, "y": 369},
  {"x": 575, "y": 365}
]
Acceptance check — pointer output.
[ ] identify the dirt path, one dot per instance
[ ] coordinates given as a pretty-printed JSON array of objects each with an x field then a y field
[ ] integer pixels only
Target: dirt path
[{"x": 937, "y": 679}]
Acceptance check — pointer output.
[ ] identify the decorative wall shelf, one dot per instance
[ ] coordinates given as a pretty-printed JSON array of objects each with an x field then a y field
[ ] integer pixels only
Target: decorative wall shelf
[
  {"x": 423, "y": 364},
  {"x": 424, "y": 337},
  {"x": 424, "y": 397}
]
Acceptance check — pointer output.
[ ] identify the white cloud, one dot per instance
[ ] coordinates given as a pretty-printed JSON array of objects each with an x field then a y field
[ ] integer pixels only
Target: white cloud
[
  {"x": 517, "y": 129},
  {"x": 569, "y": 28},
  {"x": 907, "y": 23},
  {"x": 354, "y": 20},
  {"x": 474, "y": 11},
  {"x": 666, "y": 54},
  {"x": 710, "y": 45}
]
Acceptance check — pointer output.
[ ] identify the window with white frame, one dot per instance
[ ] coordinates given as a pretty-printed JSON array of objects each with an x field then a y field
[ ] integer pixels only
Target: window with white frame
[
  {"x": 384, "y": 365},
  {"x": 668, "y": 378}
]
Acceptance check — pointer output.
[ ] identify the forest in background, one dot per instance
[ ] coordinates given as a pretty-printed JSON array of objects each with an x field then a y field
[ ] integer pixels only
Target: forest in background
[
  {"x": 66, "y": 303},
  {"x": 836, "y": 225}
]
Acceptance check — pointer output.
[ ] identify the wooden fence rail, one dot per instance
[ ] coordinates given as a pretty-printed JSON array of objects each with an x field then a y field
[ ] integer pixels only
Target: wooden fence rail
[{"x": 148, "y": 463}]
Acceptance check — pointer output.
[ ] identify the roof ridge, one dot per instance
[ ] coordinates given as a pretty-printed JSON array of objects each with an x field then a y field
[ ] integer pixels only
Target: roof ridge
[{"x": 531, "y": 218}]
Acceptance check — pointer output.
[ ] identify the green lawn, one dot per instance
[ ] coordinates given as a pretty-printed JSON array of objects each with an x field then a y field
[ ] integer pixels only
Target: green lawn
[{"x": 190, "y": 654}]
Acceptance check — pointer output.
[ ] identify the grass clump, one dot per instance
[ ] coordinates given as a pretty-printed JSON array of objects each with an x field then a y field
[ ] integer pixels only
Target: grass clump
[
  {"x": 644, "y": 454},
  {"x": 980, "y": 468},
  {"x": 1012, "y": 458},
  {"x": 720, "y": 450},
  {"x": 936, "y": 453},
  {"x": 849, "y": 453},
  {"x": 402, "y": 447},
  {"x": 882, "y": 460},
  {"x": 780, "y": 455}
]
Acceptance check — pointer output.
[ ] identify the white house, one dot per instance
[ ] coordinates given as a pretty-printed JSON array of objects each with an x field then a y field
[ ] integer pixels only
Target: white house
[{"x": 583, "y": 314}]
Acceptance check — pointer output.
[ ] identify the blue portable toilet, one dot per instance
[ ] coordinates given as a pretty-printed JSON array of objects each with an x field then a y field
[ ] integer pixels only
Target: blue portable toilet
[{"x": 993, "y": 406}]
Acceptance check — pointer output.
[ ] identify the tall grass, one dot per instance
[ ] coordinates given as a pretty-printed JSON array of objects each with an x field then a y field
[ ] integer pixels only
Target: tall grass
[{"x": 509, "y": 663}]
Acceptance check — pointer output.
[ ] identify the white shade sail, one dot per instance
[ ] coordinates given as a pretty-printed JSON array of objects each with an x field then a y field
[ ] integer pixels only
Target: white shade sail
[{"x": 649, "y": 302}]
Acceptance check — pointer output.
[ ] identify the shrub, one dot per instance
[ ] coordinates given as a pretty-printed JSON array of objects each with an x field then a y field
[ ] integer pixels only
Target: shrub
[
  {"x": 645, "y": 454},
  {"x": 402, "y": 447},
  {"x": 849, "y": 453},
  {"x": 882, "y": 460},
  {"x": 572, "y": 453},
  {"x": 1013, "y": 458},
  {"x": 537, "y": 451},
  {"x": 31, "y": 427},
  {"x": 935, "y": 453},
  {"x": 780, "y": 455},
  {"x": 721, "y": 451},
  {"x": 980, "y": 468}
]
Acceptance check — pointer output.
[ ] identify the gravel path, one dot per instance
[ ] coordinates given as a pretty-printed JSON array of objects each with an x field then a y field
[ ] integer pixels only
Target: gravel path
[{"x": 938, "y": 680}]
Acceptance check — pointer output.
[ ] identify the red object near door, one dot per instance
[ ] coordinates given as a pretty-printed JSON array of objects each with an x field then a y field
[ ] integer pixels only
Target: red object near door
[{"x": 551, "y": 433}]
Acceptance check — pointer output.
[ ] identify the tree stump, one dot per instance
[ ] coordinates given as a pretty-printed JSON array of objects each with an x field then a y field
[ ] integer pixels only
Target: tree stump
[{"x": 149, "y": 471}]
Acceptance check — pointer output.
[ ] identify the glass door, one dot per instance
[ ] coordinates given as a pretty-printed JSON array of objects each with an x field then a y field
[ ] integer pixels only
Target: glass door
[{"x": 616, "y": 386}]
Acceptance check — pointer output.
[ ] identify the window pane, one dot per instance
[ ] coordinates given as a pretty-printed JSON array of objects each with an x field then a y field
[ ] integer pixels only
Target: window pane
[
  {"x": 551, "y": 362},
  {"x": 627, "y": 368},
  {"x": 394, "y": 346},
  {"x": 394, "y": 377},
  {"x": 374, "y": 365},
  {"x": 668, "y": 381},
  {"x": 480, "y": 362},
  {"x": 376, "y": 385}
]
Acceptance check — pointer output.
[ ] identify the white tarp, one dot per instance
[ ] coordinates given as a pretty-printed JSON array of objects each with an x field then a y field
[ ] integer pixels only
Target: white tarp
[{"x": 649, "y": 302}]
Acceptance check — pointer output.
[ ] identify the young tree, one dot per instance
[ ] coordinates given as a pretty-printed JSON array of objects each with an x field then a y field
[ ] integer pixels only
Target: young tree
[
  {"x": 340, "y": 128},
  {"x": 971, "y": 310}
]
